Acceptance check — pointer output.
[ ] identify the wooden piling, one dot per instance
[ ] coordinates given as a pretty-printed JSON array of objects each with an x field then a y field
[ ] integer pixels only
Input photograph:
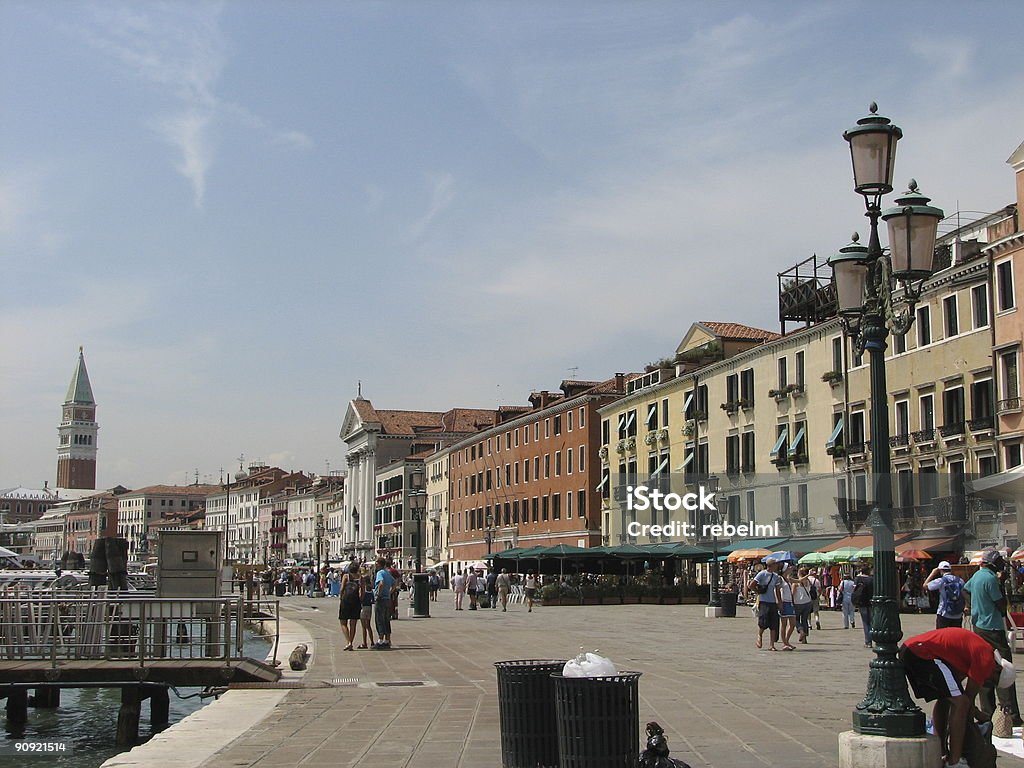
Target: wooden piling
[
  {"x": 47, "y": 697},
  {"x": 128, "y": 716},
  {"x": 17, "y": 705},
  {"x": 159, "y": 705}
]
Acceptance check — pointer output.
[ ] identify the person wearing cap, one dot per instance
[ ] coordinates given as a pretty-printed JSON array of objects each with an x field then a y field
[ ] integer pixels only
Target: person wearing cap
[
  {"x": 767, "y": 584},
  {"x": 936, "y": 664},
  {"x": 986, "y": 605},
  {"x": 950, "y": 587}
]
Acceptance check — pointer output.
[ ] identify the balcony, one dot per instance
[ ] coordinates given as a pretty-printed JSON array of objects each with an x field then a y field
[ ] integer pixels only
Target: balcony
[
  {"x": 279, "y": 529},
  {"x": 1009, "y": 405},
  {"x": 949, "y": 510},
  {"x": 619, "y": 493},
  {"x": 856, "y": 449},
  {"x": 956, "y": 429},
  {"x": 923, "y": 438},
  {"x": 981, "y": 424},
  {"x": 434, "y": 515},
  {"x": 901, "y": 440}
]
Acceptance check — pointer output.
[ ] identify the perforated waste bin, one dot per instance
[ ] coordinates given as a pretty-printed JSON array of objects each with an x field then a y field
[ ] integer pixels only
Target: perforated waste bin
[
  {"x": 526, "y": 710},
  {"x": 728, "y": 602},
  {"x": 598, "y": 720},
  {"x": 420, "y": 596}
]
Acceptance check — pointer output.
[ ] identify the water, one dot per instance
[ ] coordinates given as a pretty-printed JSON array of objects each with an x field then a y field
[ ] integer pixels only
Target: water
[{"x": 87, "y": 721}]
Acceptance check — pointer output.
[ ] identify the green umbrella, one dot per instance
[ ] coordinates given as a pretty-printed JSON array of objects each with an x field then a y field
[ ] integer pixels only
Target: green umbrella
[
  {"x": 868, "y": 553},
  {"x": 842, "y": 555},
  {"x": 814, "y": 558}
]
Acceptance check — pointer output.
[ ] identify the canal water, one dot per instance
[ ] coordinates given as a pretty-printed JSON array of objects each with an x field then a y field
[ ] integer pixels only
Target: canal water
[{"x": 87, "y": 722}]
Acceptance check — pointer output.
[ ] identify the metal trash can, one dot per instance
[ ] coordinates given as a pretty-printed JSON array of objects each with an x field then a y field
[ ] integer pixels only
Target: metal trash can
[
  {"x": 598, "y": 720},
  {"x": 420, "y": 596},
  {"x": 728, "y": 603},
  {"x": 526, "y": 710}
]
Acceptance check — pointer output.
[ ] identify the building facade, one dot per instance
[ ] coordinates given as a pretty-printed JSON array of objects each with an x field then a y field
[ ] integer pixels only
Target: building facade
[
  {"x": 18, "y": 505},
  {"x": 137, "y": 509},
  {"x": 91, "y": 518}
]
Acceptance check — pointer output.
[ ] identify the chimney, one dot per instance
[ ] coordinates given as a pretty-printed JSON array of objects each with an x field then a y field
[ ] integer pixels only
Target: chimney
[
  {"x": 545, "y": 396},
  {"x": 620, "y": 382}
]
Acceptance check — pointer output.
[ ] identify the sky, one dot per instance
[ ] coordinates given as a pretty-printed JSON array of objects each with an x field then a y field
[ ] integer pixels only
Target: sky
[{"x": 242, "y": 209}]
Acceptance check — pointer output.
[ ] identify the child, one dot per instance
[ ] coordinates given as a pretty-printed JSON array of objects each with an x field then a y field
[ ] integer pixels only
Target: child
[{"x": 366, "y": 614}]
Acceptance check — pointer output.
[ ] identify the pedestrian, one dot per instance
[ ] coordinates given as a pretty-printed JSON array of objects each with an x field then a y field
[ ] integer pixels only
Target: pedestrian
[
  {"x": 766, "y": 584},
  {"x": 936, "y": 664},
  {"x": 351, "y": 605},
  {"x": 801, "y": 586},
  {"x": 366, "y": 610},
  {"x": 334, "y": 580},
  {"x": 383, "y": 588},
  {"x": 815, "y": 589},
  {"x": 492, "y": 589},
  {"x": 863, "y": 591},
  {"x": 531, "y": 590},
  {"x": 459, "y": 588},
  {"x": 950, "y": 587},
  {"x": 434, "y": 582},
  {"x": 787, "y": 611},
  {"x": 397, "y": 587},
  {"x": 986, "y": 603},
  {"x": 844, "y": 595},
  {"x": 503, "y": 585},
  {"x": 471, "y": 587}
]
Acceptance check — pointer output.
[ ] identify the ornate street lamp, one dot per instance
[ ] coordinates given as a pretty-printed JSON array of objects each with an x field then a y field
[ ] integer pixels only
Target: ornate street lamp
[
  {"x": 418, "y": 504},
  {"x": 877, "y": 293},
  {"x": 714, "y": 599},
  {"x": 489, "y": 531},
  {"x": 317, "y": 591}
]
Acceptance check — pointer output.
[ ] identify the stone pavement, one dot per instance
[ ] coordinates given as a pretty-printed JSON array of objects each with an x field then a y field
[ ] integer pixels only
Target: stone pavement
[{"x": 722, "y": 702}]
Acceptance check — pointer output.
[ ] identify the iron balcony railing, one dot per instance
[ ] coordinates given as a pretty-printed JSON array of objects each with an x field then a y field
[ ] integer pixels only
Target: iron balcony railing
[
  {"x": 901, "y": 439},
  {"x": 951, "y": 430},
  {"x": 924, "y": 436},
  {"x": 1009, "y": 404},
  {"x": 981, "y": 423}
]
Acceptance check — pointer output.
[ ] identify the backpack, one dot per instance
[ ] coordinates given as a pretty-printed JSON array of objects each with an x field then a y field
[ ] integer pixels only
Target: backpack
[
  {"x": 863, "y": 591},
  {"x": 814, "y": 589},
  {"x": 952, "y": 595},
  {"x": 763, "y": 586}
]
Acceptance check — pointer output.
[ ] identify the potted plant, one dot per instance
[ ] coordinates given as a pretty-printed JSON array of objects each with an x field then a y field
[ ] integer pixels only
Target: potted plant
[
  {"x": 778, "y": 394},
  {"x": 631, "y": 444},
  {"x": 689, "y": 429},
  {"x": 620, "y": 447},
  {"x": 746, "y": 404},
  {"x": 670, "y": 595},
  {"x": 631, "y": 592},
  {"x": 602, "y": 453},
  {"x": 794, "y": 389},
  {"x": 650, "y": 595},
  {"x": 836, "y": 451},
  {"x": 700, "y": 415},
  {"x": 590, "y": 594},
  {"x": 832, "y": 378},
  {"x": 550, "y": 594},
  {"x": 731, "y": 407}
]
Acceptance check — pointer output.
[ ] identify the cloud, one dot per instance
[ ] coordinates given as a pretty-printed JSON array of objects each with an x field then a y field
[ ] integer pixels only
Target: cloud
[
  {"x": 188, "y": 133},
  {"x": 441, "y": 196}
]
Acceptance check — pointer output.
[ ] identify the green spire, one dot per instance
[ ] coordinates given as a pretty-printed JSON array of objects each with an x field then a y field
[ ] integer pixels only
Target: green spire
[{"x": 80, "y": 390}]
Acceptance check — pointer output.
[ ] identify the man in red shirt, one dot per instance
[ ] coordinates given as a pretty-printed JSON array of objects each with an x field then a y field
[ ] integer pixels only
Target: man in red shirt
[{"x": 936, "y": 664}]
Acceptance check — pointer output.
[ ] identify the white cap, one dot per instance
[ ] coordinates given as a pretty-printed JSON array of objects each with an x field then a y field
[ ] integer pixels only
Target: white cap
[
  {"x": 1007, "y": 674},
  {"x": 945, "y": 566}
]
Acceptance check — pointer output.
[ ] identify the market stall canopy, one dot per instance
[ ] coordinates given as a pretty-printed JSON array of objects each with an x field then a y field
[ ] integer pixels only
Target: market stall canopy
[
  {"x": 813, "y": 558},
  {"x": 771, "y": 545},
  {"x": 860, "y": 541},
  {"x": 747, "y": 554},
  {"x": 927, "y": 546},
  {"x": 1004, "y": 486}
]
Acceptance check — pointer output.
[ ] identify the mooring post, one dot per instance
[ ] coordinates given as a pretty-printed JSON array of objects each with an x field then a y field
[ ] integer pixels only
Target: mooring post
[
  {"x": 17, "y": 705},
  {"x": 159, "y": 706},
  {"x": 128, "y": 716},
  {"x": 47, "y": 697}
]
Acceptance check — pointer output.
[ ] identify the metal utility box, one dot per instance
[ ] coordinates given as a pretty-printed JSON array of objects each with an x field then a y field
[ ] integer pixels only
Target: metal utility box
[{"x": 189, "y": 564}]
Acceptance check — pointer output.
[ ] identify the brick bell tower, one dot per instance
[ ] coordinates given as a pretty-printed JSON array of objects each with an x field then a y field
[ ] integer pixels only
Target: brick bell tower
[{"x": 76, "y": 450}]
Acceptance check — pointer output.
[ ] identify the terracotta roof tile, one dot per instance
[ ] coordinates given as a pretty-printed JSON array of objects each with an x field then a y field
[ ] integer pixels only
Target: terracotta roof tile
[
  {"x": 742, "y": 332},
  {"x": 175, "y": 490}
]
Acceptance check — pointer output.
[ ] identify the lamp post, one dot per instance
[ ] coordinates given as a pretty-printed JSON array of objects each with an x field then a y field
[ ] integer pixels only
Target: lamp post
[
  {"x": 714, "y": 599},
  {"x": 317, "y": 591},
  {"x": 489, "y": 533},
  {"x": 866, "y": 280},
  {"x": 417, "y": 504}
]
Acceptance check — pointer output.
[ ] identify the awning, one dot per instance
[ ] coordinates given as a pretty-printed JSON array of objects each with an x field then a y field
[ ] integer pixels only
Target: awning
[
  {"x": 686, "y": 462},
  {"x": 622, "y": 421},
  {"x": 778, "y": 443},
  {"x": 686, "y": 403},
  {"x": 772, "y": 545},
  {"x": 834, "y": 437},
  {"x": 652, "y": 411},
  {"x": 862, "y": 540},
  {"x": 661, "y": 467},
  {"x": 1007, "y": 485},
  {"x": 630, "y": 419},
  {"x": 796, "y": 442},
  {"x": 929, "y": 545},
  {"x": 603, "y": 483}
]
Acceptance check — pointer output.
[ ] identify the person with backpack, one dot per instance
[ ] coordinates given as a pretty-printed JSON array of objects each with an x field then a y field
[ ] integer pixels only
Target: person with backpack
[
  {"x": 951, "y": 598},
  {"x": 863, "y": 591},
  {"x": 767, "y": 584},
  {"x": 351, "y": 604}
]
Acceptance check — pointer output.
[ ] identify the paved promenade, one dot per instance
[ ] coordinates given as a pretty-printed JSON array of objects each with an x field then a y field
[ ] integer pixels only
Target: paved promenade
[{"x": 722, "y": 702}]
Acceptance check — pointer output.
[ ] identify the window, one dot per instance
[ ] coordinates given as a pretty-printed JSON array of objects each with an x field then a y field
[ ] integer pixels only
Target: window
[
  {"x": 784, "y": 502},
  {"x": 1010, "y": 385},
  {"x": 526, "y": 470},
  {"x": 526, "y": 435},
  {"x": 732, "y": 388},
  {"x": 1004, "y": 286},
  {"x": 924, "y": 326},
  {"x": 799, "y": 365},
  {"x": 783, "y": 373},
  {"x": 981, "y": 399},
  {"x": 568, "y": 421},
  {"x": 515, "y": 473},
  {"x": 927, "y": 413},
  {"x": 899, "y": 343},
  {"x": 950, "y": 317},
  {"x": 928, "y": 485},
  {"x": 836, "y": 438},
  {"x": 508, "y": 441},
  {"x": 750, "y": 507},
  {"x": 798, "y": 446},
  {"x": 905, "y": 487},
  {"x": 801, "y": 501},
  {"x": 1013, "y": 456},
  {"x": 508, "y": 474},
  {"x": 558, "y": 424},
  {"x": 747, "y": 454},
  {"x": 987, "y": 465},
  {"x": 568, "y": 505},
  {"x": 781, "y": 434},
  {"x": 652, "y": 416},
  {"x": 856, "y": 432},
  {"x": 568, "y": 461},
  {"x": 558, "y": 463},
  {"x": 664, "y": 412},
  {"x": 547, "y": 428},
  {"x": 953, "y": 406},
  {"x": 732, "y": 455},
  {"x": 545, "y": 504},
  {"x": 902, "y": 421},
  {"x": 582, "y": 421},
  {"x": 536, "y": 509},
  {"x": 556, "y": 506},
  {"x": 746, "y": 387},
  {"x": 488, "y": 446},
  {"x": 581, "y": 458},
  {"x": 605, "y": 432},
  {"x": 536, "y": 467},
  {"x": 979, "y": 305},
  {"x": 536, "y": 431},
  {"x": 837, "y": 354},
  {"x": 581, "y": 503}
]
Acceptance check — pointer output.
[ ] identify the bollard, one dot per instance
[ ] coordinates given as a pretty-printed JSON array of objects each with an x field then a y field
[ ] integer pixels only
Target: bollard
[{"x": 297, "y": 659}]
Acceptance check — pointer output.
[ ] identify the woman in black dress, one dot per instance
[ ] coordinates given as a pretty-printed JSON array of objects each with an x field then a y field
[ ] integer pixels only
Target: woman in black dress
[{"x": 351, "y": 603}]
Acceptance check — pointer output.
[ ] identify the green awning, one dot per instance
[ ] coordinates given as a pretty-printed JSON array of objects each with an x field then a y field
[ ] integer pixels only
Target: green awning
[{"x": 772, "y": 545}]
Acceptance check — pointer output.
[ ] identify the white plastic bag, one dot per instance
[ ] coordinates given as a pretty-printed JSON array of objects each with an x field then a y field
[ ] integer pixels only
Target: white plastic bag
[{"x": 589, "y": 665}]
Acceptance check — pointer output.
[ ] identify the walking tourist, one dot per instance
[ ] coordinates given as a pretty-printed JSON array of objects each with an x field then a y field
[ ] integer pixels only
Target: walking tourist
[
  {"x": 863, "y": 591},
  {"x": 503, "y": 585},
  {"x": 383, "y": 586},
  {"x": 815, "y": 589},
  {"x": 366, "y": 610},
  {"x": 766, "y": 584},
  {"x": 471, "y": 587},
  {"x": 845, "y": 598},
  {"x": 351, "y": 606},
  {"x": 936, "y": 664},
  {"x": 801, "y": 586},
  {"x": 492, "y": 589},
  {"x": 459, "y": 588},
  {"x": 984, "y": 599},
  {"x": 434, "y": 583},
  {"x": 950, "y": 587},
  {"x": 531, "y": 590},
  {"x": 787, "y": 611}
]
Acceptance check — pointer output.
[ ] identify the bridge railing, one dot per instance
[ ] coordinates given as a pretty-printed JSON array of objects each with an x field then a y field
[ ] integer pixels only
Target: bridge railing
[{"x": 122, "y": 626}]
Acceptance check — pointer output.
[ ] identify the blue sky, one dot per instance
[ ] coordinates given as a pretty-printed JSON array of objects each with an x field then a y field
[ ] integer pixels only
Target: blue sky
[{"x": 241, "y": 209}]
